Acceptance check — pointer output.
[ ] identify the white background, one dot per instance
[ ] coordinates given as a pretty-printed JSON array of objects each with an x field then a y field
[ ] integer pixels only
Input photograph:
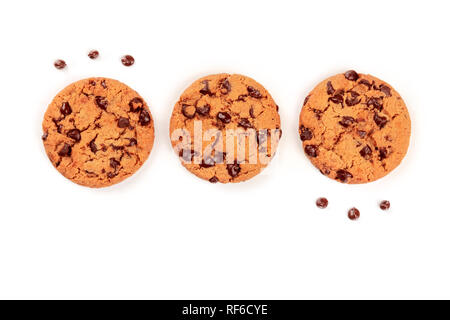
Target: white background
[{"x": 164, "y": 233}]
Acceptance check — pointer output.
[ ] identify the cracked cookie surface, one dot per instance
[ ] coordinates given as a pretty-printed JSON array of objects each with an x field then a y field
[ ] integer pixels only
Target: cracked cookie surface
[
  {"x": 355, "y": 128},
  {"x": 220, "y": 103},
  {"x": 98, "y": 132}
]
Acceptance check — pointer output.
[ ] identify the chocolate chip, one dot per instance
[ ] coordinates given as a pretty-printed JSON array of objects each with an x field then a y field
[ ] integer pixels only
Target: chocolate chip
[
  {"x": 187, "y": 155},
  {"x": 114, "y": 163},
  {"x": 224, "y": 117},
  {"x": 251, "y": 112},
  {"x": 203, "y": 111},
  {"x": 362, "y": 133},
  {"x": 93, "y": 54},
  {"x": 346, "y": 121},
  {"x": 111, "y": 175},
  {"x": 380, "y": 120},
  {"x": 242, "y": 97},
  {"x": 44, "y": 136},
  {"x": 312, "y": 150},
  {"x": 123, "y": 122},
  {"x": 188, "y": 111},
  {"x": 343, "y": 175},
  {"x": 214, "y": 179},
  {"x": 133, "y": 142},
  {"x": 245, "y": 123},
  {"x": 74, "y": 134},
  {"x": 93, "y": 146},
  {"x": 233, "y": 169},
  {"x": 353, "y": 214},
  {"x": 205, "y": 89},
  {"x": 385, "y": 205},
  {"x": 219, "y": 157},
  {"x": 306, "y": 100},
  {"x": 92, "y": 83},
  {"x": 60, "y": 64},
  {"x": 386, "y": 90},
  {"x": 207, "y": 163},
  {"x": 225, "y": 86},
  {"x": 136, "y": 101},
  {"x": 366, "y": 83},
  {"x": 103, "y": 83},
  {"x": 353, "y": 100},
  {"x": 305, "y": 133},
  {"x": 254, "y": 93},
  {"x": 330, "y": 89},
  {"x": 366, "y": 152},
  {"x": 351, "y": 75},
  {"x": 337, "y": 98},
  {"x": 375, "y": 103},
  {"x": 65, "y": 151},
  {"x": 383, "y": 153},
  {"x": 144, "y": 118},
  {"x": 322, "y": 203},
  {"x": 65, "y": 109},
  {"x": 101, "y": 102},
  {"x": 127, "y": 60}
]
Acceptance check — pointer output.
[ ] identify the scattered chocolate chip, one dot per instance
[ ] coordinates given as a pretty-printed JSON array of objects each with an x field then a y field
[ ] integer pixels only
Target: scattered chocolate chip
[
  {"x": 351, "y": 75},
  {"x": 353, "y": 100},
  {"x": 254, "y": 93},
  {"x": 383, "y": 153},
  {"x": 305, "y": 133},
  {"x": 74, "y": 134},
  {"x": 380, "y": 120},
  {"x": 322, "y": 203},
  {"x": 127, "y": 60},
  {"x": 188, "y": 111},
  {"x": 385, "y": 205},
  {"x": 343, "y": 175},
  {"x": 337, "y": 98},
  {"x": 101, "y": 102},
  {"x": 103, "y": 83},
  {"x": 245, "y": 123},
  {"x": 117, "y": 147},
  {"x": 44, "y": 136},
  {"x": 366, "y": 83},
  {"x": 65, "y": 109},
  {"x": 207, "y": 163},
  {"x": 136, "y": 101},
  {"x": 385, "y": 89},
  {"x": 233, "y": 169},
  {"x": 251, "y": 112},
  {"x": 205, "y": 89},
  {"x": 111, "y": 175},
  {"x": 123, "y": 122},
  {"x": 330, "y": 89},
  {"x": 353, "y": 214},
  {"x": 242, "y": 97},
  {"x": 225, "y": 86},
  {"x": 65, "y": 151},
  {"x": 60, "y": 64},
  {"x": 366, "y": 152},
  {"x": 93, "y": 146},
  {"x": 325, "y": 171},
  {"x": 133, "y": 142},
  {"x": 312, "y": 150},
  {"x": 203, "y": 111},
  {"x": 214, "y": 179},
  {"x": 224, "y": 117},
  {"x": 144, "y": 118},
  {"x": 219, "y": 157},
  {"x": 93, "y": 54},
  {"x": 346, "y": 121},
  {"x": 375, "y": 103},
  {"x": 306, "y": 100},
  {"x": 92, "y": 83},
  {"x": 362, "y": 133},
  {"x": 113, "y": 163}
]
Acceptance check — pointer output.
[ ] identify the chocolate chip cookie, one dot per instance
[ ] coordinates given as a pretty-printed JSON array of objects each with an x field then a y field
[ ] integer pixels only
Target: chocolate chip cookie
[
  {"x": 355, "y": 128},
  {"x": 97, "y": 132},
  {"x": 225, "y": 128}
]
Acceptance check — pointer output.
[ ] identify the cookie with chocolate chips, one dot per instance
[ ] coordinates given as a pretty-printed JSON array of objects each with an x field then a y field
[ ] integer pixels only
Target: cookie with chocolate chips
[
  {"x": 98, "y": 132},
  {"x": 354, "y": 127},
  {"x": 225, "y": 128}
]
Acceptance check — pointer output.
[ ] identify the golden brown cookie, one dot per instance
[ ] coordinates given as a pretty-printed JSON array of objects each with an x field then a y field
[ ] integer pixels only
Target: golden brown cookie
[
  {"x": 355, "y": 128},
  {"x": 225, "y": 128},
  {"x": 97, "y": 132}
]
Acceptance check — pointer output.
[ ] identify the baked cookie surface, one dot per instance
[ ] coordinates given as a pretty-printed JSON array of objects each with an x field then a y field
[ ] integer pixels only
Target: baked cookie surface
[
  {"x": 97, "y": 132},
  {"x": 355, "y": 128},
  {"x": 225, "y": 107}
]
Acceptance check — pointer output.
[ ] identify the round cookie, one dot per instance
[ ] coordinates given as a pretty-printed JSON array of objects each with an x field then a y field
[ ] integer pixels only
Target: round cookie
[
  {"x": 225, "y": 128},
  {"x": 98, "y": 132},
  {"x": 355, "y": 128}
]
